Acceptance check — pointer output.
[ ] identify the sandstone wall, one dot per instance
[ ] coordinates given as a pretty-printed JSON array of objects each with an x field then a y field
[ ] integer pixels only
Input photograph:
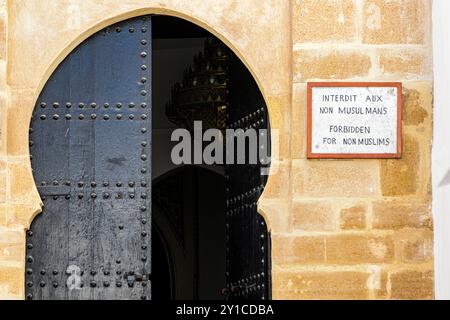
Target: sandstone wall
[{"x": 360, "y": 228}]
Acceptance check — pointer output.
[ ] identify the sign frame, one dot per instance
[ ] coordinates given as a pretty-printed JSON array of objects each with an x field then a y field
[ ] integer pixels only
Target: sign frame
[{"x": 312, "y": 155}]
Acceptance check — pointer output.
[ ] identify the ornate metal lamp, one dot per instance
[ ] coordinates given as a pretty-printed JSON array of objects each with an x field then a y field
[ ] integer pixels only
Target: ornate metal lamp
[{"x": 203, "y": 93}]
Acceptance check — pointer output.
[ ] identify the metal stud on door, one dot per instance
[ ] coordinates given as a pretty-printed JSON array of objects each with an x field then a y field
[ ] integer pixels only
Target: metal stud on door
[{"x": 90, "y": 142}]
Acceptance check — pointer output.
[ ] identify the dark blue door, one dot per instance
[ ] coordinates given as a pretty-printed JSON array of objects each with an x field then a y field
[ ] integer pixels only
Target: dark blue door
[{"x": 90, "y": 141}]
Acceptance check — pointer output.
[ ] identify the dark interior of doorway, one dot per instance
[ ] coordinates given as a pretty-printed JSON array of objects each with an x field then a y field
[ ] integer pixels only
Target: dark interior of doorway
[
  {"x": 189, "y": 203},
  {"x": 189, "y": 234}
]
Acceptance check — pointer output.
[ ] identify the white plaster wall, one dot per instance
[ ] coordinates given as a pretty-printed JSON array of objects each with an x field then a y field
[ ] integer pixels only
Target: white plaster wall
[{"x": 441, "y": 146}]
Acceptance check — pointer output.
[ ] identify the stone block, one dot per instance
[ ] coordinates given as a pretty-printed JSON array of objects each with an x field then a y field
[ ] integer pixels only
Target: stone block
[
  {"x": 337, "y": 178},
  {"x": 13, "y": 278},
  {"x": 293, "y": 285},
  {"x": 323, "y": 20},
  {"x": 323, "y": 64},
  {"x": 353, "y": 217},
  {"x": 293, "y": 249},
  {"x": 395, "y": 21},
  {"x": 391, "y": 214},
  {"x": 410, "y": 285},
  {"x": 356, "y": 249},
  {"x": 399, "y": 177},
  {"x": 405, "y": 64},
  {"x": 312, "y": 215},
  {"x": 12, "y": 246},
  {"x": 298, "y": 122},
  {"x": 417, "y": 104}
]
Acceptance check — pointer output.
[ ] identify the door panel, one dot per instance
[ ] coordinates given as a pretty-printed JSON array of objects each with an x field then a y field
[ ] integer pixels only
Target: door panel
[
  {"x": 248, "y": 242},
  {"x": 90, "y": 143}
]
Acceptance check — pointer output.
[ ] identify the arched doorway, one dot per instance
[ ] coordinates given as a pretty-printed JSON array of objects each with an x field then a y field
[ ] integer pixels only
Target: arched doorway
[{"x": 92, "y": 153}]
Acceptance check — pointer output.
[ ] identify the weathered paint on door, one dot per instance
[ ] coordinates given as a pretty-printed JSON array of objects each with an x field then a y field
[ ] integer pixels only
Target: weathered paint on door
[{"x": 90, "y": 141}]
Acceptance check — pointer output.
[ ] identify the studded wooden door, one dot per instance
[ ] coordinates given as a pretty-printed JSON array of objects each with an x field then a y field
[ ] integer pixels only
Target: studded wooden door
[
  {"x": 90, "y": 141},
  {"x": 248, "y": 241}
]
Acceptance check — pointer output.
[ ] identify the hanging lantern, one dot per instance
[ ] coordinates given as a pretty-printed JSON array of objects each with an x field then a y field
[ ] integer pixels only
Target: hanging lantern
[{"x": 202, "y": 95}]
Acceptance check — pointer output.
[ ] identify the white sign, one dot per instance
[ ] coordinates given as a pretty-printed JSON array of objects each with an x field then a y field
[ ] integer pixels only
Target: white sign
[{"x": 354, "y": 120}]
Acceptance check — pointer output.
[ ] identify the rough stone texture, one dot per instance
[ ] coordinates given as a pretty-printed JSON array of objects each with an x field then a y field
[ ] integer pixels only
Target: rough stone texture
[
  {"x": 12, "y": 278},
  {"x": 415, "y": 247},
  {"x": 16, "y": 123},
  {"x": 342, "y": 178},
  {"x": 277, "y": 214},
  {"x": 246, "y": 25},
  {"x": 3, "y": 109},
  {"x": 321, "y": 285},
  {"x": 11, "y": 246},
  {"x": 298, "y": 121},
  {"x": 3, "y": 93},
  {"x": 322, "y": 64},
  {"x": 279, "y": 119},
  {"x": 355, "y": 249},
  {"x": 279, "y": 175},
  {"x": 405, "y": 63},
  {"x": 298, "y": 250},
  {"x": 19, "y": 177},
  {"x": 297, "y": 178},
  {"x": 2, "y": 29},
  {"x": 18, "y": 214},
  {"x": 312, "y": 215},
  {"x": 3, "y": 214},
  {"x": 323, "y": 20},
  {"x": 397, "y": 215},
  {"x": 3, "y": 174},
  {"x": 412, "y": 285},
  {"x": 395, "y": 21},
  {"x": 379, "y": 283},
  {"x": 400, "y": 176},
  {"x": 417, "y": 102},
  {"x": 353, "y": 217}
]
